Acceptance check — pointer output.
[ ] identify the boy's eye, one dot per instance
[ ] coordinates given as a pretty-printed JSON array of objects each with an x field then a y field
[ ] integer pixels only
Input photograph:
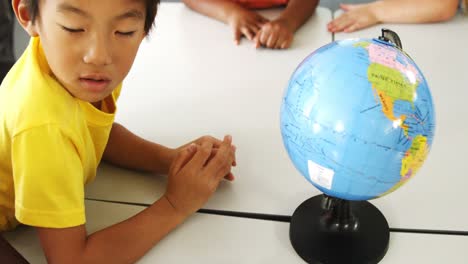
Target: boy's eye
[
  {"x": 128, "y": 34},
  {"x": 73, "y": 30}
]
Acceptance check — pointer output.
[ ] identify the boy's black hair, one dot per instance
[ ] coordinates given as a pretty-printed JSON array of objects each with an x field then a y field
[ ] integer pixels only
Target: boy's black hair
[{"x": 151, "y": 10}]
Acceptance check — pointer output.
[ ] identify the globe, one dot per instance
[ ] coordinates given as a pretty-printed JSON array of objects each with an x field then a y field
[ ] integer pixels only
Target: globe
[{"x": 357, "y": 118}]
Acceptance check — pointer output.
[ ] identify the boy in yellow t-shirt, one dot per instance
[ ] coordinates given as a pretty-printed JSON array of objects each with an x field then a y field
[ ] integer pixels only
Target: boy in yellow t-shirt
[
  {"x": 57, "y": 107},
  {"x": 245, "y": 22}
]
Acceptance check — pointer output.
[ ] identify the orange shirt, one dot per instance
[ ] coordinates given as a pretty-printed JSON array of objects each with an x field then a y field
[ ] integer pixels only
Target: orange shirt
[{"x": 261, "y": 3}]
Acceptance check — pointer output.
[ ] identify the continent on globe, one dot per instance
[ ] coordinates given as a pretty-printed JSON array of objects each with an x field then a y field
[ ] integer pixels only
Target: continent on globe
[{"x": 391, "y": 79}]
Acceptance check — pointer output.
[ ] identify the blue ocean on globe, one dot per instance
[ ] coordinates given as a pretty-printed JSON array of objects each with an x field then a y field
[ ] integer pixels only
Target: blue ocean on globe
[{"x": 357, "y": 118}]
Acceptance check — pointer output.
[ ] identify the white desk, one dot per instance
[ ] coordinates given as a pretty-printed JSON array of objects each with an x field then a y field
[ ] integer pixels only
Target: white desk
[
  {"x": 190, "y": 80},
  {"x": 436, "y": 197},
  {"x": 220, "y": 239}
]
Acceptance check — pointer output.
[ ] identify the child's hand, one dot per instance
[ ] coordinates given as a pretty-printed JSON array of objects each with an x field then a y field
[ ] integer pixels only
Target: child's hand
[
  {"x": 216, "y": 145},
  {"x": 195, "y": 174},
  {"x": 274, "y": 35},
  {"x": 245, "y": 23},
  {"x": 356, "y": 17}
]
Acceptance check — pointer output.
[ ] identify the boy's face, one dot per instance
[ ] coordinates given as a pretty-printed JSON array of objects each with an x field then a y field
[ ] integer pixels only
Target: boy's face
[{"x": 90, "y": 45}]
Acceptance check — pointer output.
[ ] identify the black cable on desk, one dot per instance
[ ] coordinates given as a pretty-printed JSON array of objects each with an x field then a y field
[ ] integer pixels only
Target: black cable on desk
[{"x": 287, "y": 218}]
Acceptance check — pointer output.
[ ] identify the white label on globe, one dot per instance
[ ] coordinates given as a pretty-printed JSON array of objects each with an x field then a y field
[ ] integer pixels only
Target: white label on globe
[{"x": 320, "y": 175}]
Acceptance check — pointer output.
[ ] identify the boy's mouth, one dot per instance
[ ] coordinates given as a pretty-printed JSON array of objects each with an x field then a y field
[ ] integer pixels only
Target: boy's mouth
[
  {"x": 94, "y": 83},
  {"x": 95, "y": 77}
]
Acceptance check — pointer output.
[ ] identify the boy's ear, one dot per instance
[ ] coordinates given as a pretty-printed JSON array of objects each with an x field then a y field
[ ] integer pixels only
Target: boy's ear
[{"x": 24, "y": 17}]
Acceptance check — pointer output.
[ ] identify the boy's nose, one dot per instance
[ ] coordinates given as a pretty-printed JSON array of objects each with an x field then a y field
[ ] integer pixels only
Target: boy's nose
[{"x": 97, "y": 52}]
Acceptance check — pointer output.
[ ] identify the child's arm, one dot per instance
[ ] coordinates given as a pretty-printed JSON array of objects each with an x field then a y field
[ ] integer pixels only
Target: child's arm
[
  {"x": 193, "y": 177},
  {"x": 218, "y": 9},
  {"x": 297, "y": 12},
  {"x": 128, "y": 150},
  {"x": 279, "y": 33},
  {"x": 361, "y": 16},
  {"x": 124, "y": 242},
  {"x": 242, "y": 21}
]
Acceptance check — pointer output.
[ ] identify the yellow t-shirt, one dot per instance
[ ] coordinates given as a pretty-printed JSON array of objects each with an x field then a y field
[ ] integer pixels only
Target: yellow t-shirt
[{"x": 50, "y": 145}]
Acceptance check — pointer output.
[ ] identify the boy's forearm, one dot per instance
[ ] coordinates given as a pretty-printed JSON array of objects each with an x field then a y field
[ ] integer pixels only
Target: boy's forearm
[
  {"x": 128, "y": 241},
  {"x": 125, "y": 242},
  {"x": 217, "y": 9},
  {"x": 127, "y": 150},
  {"x": 297, "y": 12},
  {"x": 415, "y": 11}
]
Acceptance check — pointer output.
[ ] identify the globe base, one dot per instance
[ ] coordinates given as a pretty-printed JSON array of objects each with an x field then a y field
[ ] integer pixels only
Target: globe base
[{"x": 329, "y": 230}]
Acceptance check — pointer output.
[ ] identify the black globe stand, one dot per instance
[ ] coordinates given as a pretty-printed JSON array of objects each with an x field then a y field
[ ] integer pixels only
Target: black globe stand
[{"x": 329, "y": 230}]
